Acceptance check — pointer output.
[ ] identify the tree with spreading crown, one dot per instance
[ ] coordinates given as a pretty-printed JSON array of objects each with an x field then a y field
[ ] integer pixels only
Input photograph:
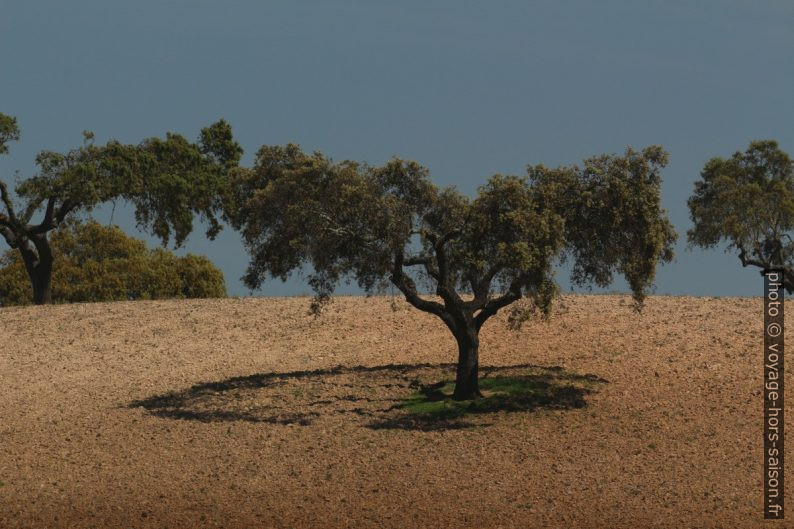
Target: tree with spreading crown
[{"x": 460, "y": 258}]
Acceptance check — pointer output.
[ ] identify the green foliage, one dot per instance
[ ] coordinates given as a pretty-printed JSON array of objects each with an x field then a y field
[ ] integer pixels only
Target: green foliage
[
  {"x": 295, "y": 208},
  {"x": 349, "y": 221},
  {"x": 199, "y": 278},
  {"x": 99, "y": 263},
  {"x": 216, "y": 141},
  {"x": 747, "y": 201},
  {"x": 175, "y": 179},
  {"x": 168, "y": 181},
  {"x": 9, "y": 131},
  {"x": 614, "y": 221}
]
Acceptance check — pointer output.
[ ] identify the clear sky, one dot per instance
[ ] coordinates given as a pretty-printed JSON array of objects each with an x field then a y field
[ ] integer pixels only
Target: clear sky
[{"x": 467, "y": 88}]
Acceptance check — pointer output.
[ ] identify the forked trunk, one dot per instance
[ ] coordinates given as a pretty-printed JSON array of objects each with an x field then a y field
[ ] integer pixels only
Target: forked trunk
[{"x": 467, "y": 380}]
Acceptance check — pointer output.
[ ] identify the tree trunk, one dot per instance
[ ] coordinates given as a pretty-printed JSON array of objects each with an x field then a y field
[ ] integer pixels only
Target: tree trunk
[
  {"x": 38, "y": 264},
  {"x": 42, "y": 285},
  {"x": 467, "y": 384}
]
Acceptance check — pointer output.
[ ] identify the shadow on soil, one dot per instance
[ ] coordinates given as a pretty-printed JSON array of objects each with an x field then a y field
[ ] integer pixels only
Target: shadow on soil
[{"x": 383, "y": 397}]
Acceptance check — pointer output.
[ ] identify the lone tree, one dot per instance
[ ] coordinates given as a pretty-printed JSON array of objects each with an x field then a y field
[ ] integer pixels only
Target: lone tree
[
  {"x": 375, "y": 225},
  {"x": 748, "y": 202},
  {"x": 102, "y": 263},
  {"x": 168, "y": 181}
]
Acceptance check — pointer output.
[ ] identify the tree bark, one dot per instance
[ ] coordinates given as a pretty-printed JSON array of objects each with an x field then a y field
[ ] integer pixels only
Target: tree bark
[
  {"x": 42, "y": 285},
  {"x": 467, "y": 385},
  {"x": 38, "y": 264}
]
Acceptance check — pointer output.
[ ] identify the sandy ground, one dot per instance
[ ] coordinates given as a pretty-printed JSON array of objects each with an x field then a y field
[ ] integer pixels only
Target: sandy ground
[{"x": 235, "y": 413}]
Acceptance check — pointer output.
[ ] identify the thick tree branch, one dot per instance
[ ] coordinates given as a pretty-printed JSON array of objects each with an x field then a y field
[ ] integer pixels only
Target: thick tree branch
[
  {"x": 6, "y": 198},
  {"x": 43, "y": 248},
  {"x": 747, "y": 261},
  {"x": 444, "y": 288},
  {"x": 48, "y": 212},
  {"x": 47, "y": 224},
  {"x": 33, "y": 205},
  {"x": 425, "y": 261},
  {"x": 30, "y": 255},
  {"x": 66, "y": 207},
  {"x": 8, "y": 235},
  {"x": 52, "y": 217},
  {"x": 447, "y": 237},
  {"x": 482, "y": 288},
  {"x": 416, "y": 260},
  {"x": 513, "y": 294},
  {"x": 407, "y": 286},
  {"x": 764, "y": 264}
]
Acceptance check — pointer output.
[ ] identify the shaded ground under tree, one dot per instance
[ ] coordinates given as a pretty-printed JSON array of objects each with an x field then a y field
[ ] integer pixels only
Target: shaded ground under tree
[{"x": 396, "y": 396}]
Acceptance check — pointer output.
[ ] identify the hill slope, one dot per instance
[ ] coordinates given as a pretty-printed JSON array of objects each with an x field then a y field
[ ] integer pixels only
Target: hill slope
[{"x": 224, "y": 413}]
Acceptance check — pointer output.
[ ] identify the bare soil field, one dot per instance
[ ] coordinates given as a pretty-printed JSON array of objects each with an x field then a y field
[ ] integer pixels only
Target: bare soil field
[{"x": 245, "y": 413}]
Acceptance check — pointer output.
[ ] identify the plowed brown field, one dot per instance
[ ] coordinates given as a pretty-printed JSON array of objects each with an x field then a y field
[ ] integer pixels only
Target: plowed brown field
[{"x": 249, "y": 413}]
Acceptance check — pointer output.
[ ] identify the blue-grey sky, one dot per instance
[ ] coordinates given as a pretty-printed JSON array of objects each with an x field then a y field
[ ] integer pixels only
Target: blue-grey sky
[{"x": 467, "y": 88}]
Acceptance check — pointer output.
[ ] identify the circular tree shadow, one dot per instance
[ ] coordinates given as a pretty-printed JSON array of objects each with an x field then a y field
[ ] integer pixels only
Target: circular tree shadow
[{"x": 397, "y": 396}]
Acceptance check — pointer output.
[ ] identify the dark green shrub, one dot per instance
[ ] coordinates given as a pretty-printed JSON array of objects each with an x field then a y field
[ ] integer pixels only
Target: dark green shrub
[{"x": 100, "y": 263}]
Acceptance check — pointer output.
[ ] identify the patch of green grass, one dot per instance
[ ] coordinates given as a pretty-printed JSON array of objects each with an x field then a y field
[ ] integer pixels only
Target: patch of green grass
[
  {"x": 500, "y": 393},
  {"x": 437, "y": 403}
]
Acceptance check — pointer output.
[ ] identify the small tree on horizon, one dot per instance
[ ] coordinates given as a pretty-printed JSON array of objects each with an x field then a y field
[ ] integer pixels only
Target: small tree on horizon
[
  {"x": 747, "y": 200},
  {"x": 392, "y": 225},
  {"x": 168, "y": 181}
]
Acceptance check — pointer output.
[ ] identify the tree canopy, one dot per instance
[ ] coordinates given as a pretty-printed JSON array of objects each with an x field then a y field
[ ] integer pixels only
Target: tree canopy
[
  {"x": 102, "y": 263},
  {"x": 747, "y": 201},
  {"x": 348, "y": 221},
  {"x": 168, "y": 180}
]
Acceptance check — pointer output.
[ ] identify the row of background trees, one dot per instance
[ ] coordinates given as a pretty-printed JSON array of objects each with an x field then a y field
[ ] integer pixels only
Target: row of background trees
[
  {"x": 169, "y": 181},
  {"x": 390, "y": 224},
  {"x": 92, "y": 262}
]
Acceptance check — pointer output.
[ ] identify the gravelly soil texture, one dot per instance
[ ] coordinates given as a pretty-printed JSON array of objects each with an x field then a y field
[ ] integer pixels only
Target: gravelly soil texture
[{"x": 251, "y": 413}]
